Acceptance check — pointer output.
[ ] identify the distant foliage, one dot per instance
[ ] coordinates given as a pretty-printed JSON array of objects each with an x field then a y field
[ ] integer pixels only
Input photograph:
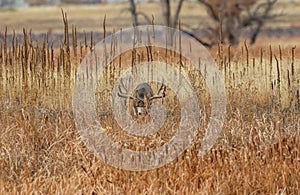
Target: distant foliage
[
  {"x": 236, "y": 15},
  {"x": 6, "y": 2},
  {"x": 24, "y": 3}
]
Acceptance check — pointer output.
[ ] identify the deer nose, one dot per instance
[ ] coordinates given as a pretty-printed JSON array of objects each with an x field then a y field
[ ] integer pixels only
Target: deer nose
[{"x": 140, "y": 110}]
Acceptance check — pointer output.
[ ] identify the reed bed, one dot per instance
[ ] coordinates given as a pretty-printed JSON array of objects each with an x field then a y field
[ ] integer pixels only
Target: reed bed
[{"x": 41, "y": 152}]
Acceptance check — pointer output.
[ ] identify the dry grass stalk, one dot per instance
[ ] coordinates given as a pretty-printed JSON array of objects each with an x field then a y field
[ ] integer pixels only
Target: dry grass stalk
[{"x": 40, "y": 149}]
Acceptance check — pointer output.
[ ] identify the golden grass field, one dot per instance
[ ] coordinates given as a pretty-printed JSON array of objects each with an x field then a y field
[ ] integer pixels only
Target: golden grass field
[
  {"x": 257, "y": 152},
  {"x": 90, "y": 17}
]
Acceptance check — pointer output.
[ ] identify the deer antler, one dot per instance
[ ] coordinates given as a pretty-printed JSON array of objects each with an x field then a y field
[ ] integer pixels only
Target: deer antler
[
  {"x": 121, "y": 93},
  {"x": 161, "y": 89}
]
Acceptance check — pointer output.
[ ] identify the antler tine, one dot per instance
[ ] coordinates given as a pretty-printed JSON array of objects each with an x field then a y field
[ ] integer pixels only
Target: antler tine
[
  {"x": 157, "y": 97},
  {"x": 121, "y": 93},
  {"x": 126, "y": 96},
  {"x": 123, "y": 85},
  {"x": 163, "y": 89}
]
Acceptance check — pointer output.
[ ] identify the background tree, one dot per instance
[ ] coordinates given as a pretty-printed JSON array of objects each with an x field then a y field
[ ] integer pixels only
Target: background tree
[
  {"x": 168, "y": 20},
  {"x": 166, "y": 13},
  {"x": 6, "y": 3},
  {"x": 134, "y": 17},
  {"x": 236, "y": 15},
  {"x": 232, "y": 15}
]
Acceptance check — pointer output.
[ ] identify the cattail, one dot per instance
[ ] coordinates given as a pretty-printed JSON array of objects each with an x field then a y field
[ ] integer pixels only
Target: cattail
[
  {"x": 261, "y": 61},
  {"x": 74, "y": 41},
  {"x": 92, "y": 44},
  {"x": 104, "y": 26},
  {"x": 271, "y": 65},
  {"x": 278, "y": 81},
  {"x": 247, "y": 55},
  {"x": 293, "y": 63}
]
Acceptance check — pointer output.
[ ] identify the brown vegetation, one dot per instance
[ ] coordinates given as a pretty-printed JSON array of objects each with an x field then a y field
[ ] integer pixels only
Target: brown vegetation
[
  {"x": 40, "y": 150},
  {"x": 53, "y": 2},
  {"x": 236, "y": 15}
]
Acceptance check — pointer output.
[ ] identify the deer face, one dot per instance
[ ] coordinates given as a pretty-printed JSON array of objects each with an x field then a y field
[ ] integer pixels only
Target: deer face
[
  {"x": 142, "y": 102},
  {"x": 142, "y": 97}
]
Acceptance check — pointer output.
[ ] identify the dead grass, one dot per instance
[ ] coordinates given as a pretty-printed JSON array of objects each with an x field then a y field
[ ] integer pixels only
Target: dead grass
[
  {"x": 257, "y": 152},
  {"x": 90, "y": 17}
]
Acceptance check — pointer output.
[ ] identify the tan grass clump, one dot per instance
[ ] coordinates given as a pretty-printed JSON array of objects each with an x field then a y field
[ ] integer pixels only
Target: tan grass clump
[{"x": 40, "y": 150}]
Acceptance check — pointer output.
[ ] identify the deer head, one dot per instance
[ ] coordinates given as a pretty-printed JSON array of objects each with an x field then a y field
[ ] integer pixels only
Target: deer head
[{"x": 142, "y": 96}]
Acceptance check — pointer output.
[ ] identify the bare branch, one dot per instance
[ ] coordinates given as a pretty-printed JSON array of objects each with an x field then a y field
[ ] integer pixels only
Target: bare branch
[
  {"x": 176, "y": 16},
  {"x": 145, "y": 16},
  {"x": 197, "y": 39},
  {"x": 266, "y": 6},
  {"x": 133, "y": 13},
  {"x": 165, "y": 4},
  {"x": 233, "y": 21},
  {"x": 211, "y": 9},
  {"x": 260, "y": 18}
]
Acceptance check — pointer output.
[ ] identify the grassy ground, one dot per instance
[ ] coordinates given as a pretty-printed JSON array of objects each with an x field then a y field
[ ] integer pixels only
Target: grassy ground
[
  {"x": 41, "y": 150},
  {"x": 90, "y": 17}
]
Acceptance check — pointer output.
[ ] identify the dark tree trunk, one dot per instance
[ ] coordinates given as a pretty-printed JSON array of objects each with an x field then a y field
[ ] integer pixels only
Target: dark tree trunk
[
  {"x": 165, "y": 4},
  {"x": 133, "y": 13},
  {"x": 176, "y": 16}
]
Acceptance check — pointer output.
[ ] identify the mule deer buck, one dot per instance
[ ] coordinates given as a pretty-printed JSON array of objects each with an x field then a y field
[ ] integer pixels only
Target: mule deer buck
[{"x": 142, "y": 97}]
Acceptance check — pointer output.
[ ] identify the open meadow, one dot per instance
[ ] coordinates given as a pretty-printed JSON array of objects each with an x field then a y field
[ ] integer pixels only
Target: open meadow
[{"x": 257, "y": 151}]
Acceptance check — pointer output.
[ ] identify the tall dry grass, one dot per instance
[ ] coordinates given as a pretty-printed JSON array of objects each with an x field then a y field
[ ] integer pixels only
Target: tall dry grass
[{"x": 41, "y": 152}]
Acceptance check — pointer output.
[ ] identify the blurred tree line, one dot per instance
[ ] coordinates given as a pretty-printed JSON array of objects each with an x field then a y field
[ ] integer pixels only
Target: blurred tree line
[
  {"x": 230, "y": 17},
  {"x": 26, "y": 3}
]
